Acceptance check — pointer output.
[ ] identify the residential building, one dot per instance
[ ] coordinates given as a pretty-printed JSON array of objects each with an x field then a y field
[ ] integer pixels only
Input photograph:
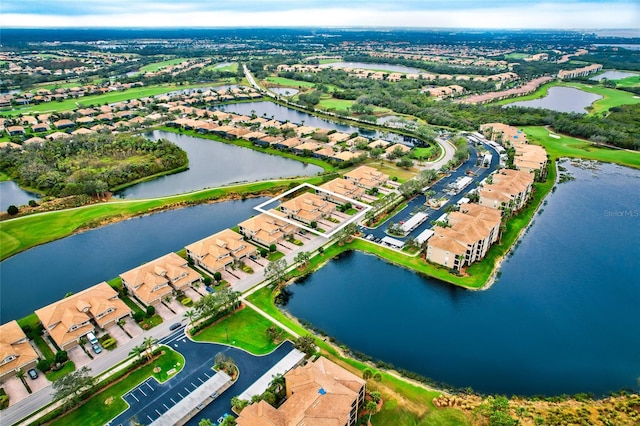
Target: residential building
[
  {"x": 67, "y": 320},
  {"x": 470, "y": 233},
  {"x": 367, "y": 177},
  {"x": 158, "y": 278},
  {"x": 15, "y": 350},
  {"x": 215, "y": 252},
  {"x": 266, "y": 230},
  {"x": 318, "y": 393},
  {"x": 343, "y": 187},
  {"x": 509, "y": 189},
  {"x": 307, "y": 208}
]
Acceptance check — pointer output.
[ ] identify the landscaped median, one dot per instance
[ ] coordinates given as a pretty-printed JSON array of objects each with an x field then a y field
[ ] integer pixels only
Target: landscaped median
[{"x": 101, "y": 407}]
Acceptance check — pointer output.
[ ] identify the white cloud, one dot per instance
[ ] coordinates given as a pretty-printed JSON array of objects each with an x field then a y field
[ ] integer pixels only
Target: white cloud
[{"x": 542, "y": 15}]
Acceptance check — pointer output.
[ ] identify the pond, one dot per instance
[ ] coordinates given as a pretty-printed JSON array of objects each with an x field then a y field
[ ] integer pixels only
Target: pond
[
  {"x": 614, "y": 75},
  {"x": 12, "y": 194},
  {"x": 375, "y": 66},
  {"x": 284, "y": 91},
  {"x": 44, "y": 274},
  {"x": 282, "y": 113},
  {"x": 213, "y": 164},
  {"x": 562, "y": 99},
  {"x": 562, "y": 317}
]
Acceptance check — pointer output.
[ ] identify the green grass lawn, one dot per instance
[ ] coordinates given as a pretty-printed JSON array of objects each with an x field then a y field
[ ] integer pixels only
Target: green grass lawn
[
  {"x": 163, "y": 64},
  {"x": 247, "y": 330},
  {"x": 104, "y": 406},
  {"x": 25, "y": 232},
  {"x": 516, "y": 55},
  {"x": 336, "y": 104},
  {"x": 44, "y": 347},
  {"x": 232, "y": 67},
  {"x": 275, "y": 256},
  {"x": 392, "y": 414},
  {"x": 567, "y": 146},
  {"x": 629, "y": 81},
  {"x": 68, "y": 367},
  {"x": 70, "y": 104}
]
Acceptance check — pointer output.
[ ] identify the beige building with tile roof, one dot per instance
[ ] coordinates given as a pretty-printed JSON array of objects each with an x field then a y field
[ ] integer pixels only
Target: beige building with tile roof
[
  {"x": 158, "y": 278},
  {"x": 307, "y": 208},
  {"x": 527, "y": 157},
  {"x": 265, "y": 229},
  {"x": 67, "y": 320},
  {"x": 320, "y": 393},
  {"x": 215, "y": 252},
  {"x": 510, "y": 189},
  {"x": 471, "y": 232},
  {"x": 367, "y": 177},
  {"x": 15, "y": 350},
  {"x": 343, "y": 187}
]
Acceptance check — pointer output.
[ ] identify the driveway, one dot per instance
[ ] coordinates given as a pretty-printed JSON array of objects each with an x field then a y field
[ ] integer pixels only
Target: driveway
[
  {"x": 78, "y": 356},
  {"x": 177, "y": 307},
  {"x": 118, "y": 334},
  {"x": 193, "y": 294},
  {"x": 40, "y": 383},
  {"x": 132, "y": 327},
  {"x": 164, "y": 312},
  {"x": 15, "y": 389}
]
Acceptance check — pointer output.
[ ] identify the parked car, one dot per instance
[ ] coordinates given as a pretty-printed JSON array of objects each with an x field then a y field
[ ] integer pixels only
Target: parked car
[
  {"x": 33, "y": 374},
  {"x": 175, "y": 326},
  {"x": 222, "y": 417},
  {"x": 96, "y": 348},
  {"x": 209, "y": 289}
]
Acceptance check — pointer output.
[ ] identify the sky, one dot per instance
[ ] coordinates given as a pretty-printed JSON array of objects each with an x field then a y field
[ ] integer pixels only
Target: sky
[{"x": 551, "y": 14}]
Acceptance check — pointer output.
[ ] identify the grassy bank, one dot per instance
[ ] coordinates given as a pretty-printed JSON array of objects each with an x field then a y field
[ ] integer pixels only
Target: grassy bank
[
  {"x": 566, "y": 146},
  {"x": 155, "y": 66},
  {"x": 28, "y": 231},
  {"x": 245, "y": 329}
]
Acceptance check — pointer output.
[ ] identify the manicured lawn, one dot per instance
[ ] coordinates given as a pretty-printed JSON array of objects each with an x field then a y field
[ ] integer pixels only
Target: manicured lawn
[
  {"x": 70, "y": 104},
  {"x": 336, "y": 104},
  {"x": 44, "y": 348},
  {"x": 247, "y": 330},
  {"x": 68, "y": 367},
  {"x": 105, "y": 405},
  {"x": 629, "y": 81},
  {"x": 232, "y": 67},
  {"x": 392, "y": 414},
  {"x": 567, "y": 146},
  {"x": 157, "y": 65},
  {"x": 389, "y": 168},
  {"x": 151, "y": 322},
  {"x": 516, "y": 55},
  {"x": 289, "y": 82},
  {"x": 24, "y": 232},
  {"x": 275, "y": 256}
]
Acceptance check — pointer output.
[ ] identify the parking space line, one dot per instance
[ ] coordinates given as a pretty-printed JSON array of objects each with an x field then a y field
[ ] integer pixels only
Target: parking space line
[
  {"x": 135, "y": 397},
  {"x": 149, "y": 417},
  {"x": 149, "y": 386},
  {"x": 180, "y": 395},
  {"x": 200, "y": 378},
  {"x": 142, "y": 392},
  {"x": 186, "y": 390},
  {"x": 172, "y": 400},
  {"x": 194, "y": 386},
  {"x": 165, "y": 405},
  {"x": 158, "y": 412}
]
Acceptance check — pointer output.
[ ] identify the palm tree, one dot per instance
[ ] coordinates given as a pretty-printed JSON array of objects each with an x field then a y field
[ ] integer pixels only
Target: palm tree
[
  {"x": 21, "y": 375},
  {"x": 147, "y": 344},
  {"x": 137, "y": 351},
  {"x": 371, "y": 407},
  {"x": 190, "y": 316}
]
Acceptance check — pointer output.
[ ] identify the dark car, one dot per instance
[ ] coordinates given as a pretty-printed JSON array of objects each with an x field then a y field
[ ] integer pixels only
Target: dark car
[
  {"x": 33, "y": 374},
  {"x": 175, "y": 326}
]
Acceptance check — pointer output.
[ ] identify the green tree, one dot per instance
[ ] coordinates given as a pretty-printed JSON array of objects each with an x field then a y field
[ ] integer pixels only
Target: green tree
[
  {"x": 276, "y": 271},
  {"x": 217, "y": 276},
  {"x": 367, "y": 373},
  {"x": 371, "y": 408},
  {"x": 13, "y": 210},
  {"x": 206, "y": 422},
  {"x": 148, "y": 343},
  {"x": 137, "y": 351},
  {"x": 302, "y": 258},
  {"x": 306, "y": 344},
  {"x": 70, "y": 387},
  {"x": 238, "y": 404},
  {"x": 190, "y": 316}
]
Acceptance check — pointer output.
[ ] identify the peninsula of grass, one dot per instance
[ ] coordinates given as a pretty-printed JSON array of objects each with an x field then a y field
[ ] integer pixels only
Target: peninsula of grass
[
  {"x": 567, "y": 146},
  {"x": 629, "y": 81},
  {"x": 245, "y": 329},
  {"x": 281, "y": 81},
  {"x": 107, "y": 404},
  {"x": 28, "y": 231},
  {"x": 108, "y": 98}
]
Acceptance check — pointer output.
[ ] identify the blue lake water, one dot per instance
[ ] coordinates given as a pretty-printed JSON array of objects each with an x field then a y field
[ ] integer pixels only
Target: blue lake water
[
  {"x": 562, "y": 317},
  {"x": 213, "y": 164},
  {"x": 562, "y": 99},
  {"x": 12, "y": 194},
  {"x": 614, "y": 75},
  {"x": 44, "y": 274}
]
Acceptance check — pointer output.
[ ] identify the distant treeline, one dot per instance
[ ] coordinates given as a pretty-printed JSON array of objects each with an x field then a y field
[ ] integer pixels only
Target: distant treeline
[{"x": 89, "y": 164}]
